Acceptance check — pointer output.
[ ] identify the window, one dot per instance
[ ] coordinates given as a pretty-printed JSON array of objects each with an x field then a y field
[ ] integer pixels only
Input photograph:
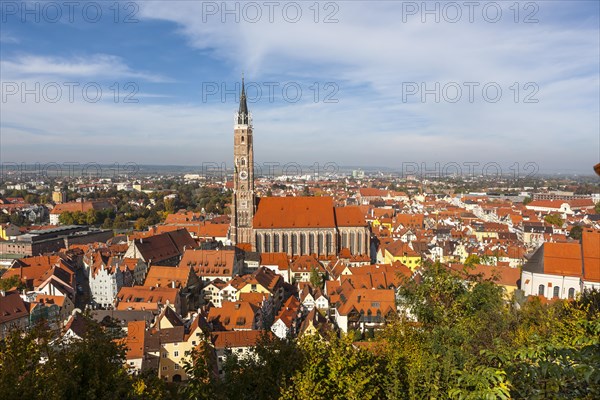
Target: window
[
  {"x": 165, "y": 368},
  {"x": 572, "y": 293},
  {"x": 267, "y": 243},
  {"x": 311, "y": 243},
  {"x": 285, "y": 243},
  {"x": 302, "y": 244},
  {"x": 276, "y": 243},
  {"x": 294, "y": 243},
  {"x": 556, "y": 292},
  {"x": 541, "y": 290},
  {"x": 242, "y": 139},
  {"x": 320, "y": 244},
  {"x": 176, "y": 367},
  {"x": 165, "y": 354},
  {"x": 258, "y": 242},
  {"x": 175, "y": 353}
]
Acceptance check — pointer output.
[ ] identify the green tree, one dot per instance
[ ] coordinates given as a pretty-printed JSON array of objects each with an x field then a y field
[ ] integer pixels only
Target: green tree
[
  {"x": 263, "y": 375},
  {"x": 576, "y": 232},
  {"x": 33, "y": 364},
  {"x": 200, "y": 367},
  {"x": 335, "y": 369},
  {"x": 316, "y": 279},
  {"x": 597, "y": 208},
  {"x": 554, "y": 219},
  {"x": 472, "y": 259},
  {"x": 11, "y": 282}
]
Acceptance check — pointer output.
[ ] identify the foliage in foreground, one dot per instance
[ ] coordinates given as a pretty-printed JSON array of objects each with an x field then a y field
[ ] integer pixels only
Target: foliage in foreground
[{"x": 453, "y": 341}]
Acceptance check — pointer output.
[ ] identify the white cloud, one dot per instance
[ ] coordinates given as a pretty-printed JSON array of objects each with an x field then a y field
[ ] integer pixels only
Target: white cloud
[
  {"x": 95, "y": 66},
  {"x": 369, "y": 53}
]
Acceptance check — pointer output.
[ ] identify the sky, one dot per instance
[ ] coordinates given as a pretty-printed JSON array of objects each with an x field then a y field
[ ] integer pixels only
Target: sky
[{"x": 362, "y": 83}]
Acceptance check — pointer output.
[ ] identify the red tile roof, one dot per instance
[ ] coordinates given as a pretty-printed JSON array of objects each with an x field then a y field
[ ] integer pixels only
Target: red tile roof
[
  {"x": 349, "y": 216},
  {"x": 294, "y": 212},
  {"x": 562, "y": 259},
  {"x": 591, "y": 254}
]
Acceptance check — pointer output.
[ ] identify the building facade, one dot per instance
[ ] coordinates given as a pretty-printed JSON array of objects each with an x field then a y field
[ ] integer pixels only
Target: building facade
[{"x": 292, "y": 225}]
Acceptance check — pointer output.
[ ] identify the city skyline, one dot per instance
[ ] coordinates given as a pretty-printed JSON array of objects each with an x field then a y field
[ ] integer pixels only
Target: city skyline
[{"x": 379, "y": 96}]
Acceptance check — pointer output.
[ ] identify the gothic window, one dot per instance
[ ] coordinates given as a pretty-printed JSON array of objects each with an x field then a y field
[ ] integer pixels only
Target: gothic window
[
  {"x": 541, "y": 290},
  {"x": 344, "y": 239},
  {"x": 242, "y": 139},
  {"x": 285, "y": 243},
  {"x": 320, "y": 244},
  {"x": 294, "y": 243},
  {"x": 360, "y": 250},
  {"x": 572, "y": 293},
  {"x": 352, "y": 243},
  {"x": 243, "y": 162},
  {"x": 329, "y": 244},
  {"x": 267, "y": 243},
  {"x": 302, "y": 244},
  {"x": 276, "y": 243},
  {"x": 311, "y": 243},
  {"x": 556, "y": 292},
  {"x": 258, "y": 242}
]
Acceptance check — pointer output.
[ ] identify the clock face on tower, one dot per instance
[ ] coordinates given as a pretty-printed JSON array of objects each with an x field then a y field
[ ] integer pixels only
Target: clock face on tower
[{"x": 243, "y": 174}]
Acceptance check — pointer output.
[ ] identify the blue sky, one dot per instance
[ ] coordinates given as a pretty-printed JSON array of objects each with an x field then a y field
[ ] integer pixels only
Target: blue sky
[{"x": 380, "y": 82}]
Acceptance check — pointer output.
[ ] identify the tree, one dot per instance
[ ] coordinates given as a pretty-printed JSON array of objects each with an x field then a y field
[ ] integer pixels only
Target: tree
[
  {"x": 576, "y": 232},
  {"x": 88, "y": 368},
  {"x": 264, "y": 374},
  {"x": 11, "y": 282},
  {"x": 315, "y": 278},
  {"x": 200, "y": 367},
  {"x": 472, "y": 260},
  {"x": 335, "y": 369},
  {"x": 554, "y": 219},
  {"x": 597, "y": 208}
]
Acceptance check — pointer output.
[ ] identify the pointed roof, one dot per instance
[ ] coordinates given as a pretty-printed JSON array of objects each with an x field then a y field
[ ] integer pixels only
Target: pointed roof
[{"x": 243, "y": 111}]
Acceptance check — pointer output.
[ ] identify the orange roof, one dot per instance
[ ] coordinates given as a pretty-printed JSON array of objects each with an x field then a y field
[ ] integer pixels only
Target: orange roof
[
  {"x": 209, "y": 262},
  {"x": 372, "y": 192},
  {"x": 238, "y": 315},
  {"x": 222, "y": 340},
  {"x": 349, "y": 216},
  {"x": 47, "y": 299},
  {"x": 167, "y": 276},
  {"x": 562, "y": 259},
  {"x": 590, "y": 241},
  {"x": 294, "y": 212},
  {"x": 213, "y": 230},
  {"x": 142, "y": 297},
  {"x": 407, "y": 220},
  {"x": 366, "y": 300},
  {"x": 306, "y": 263},
  {"x": 136, "y": 331},
  {"x": 82, "y": 206},
  {"x": 279, "y": 259}
]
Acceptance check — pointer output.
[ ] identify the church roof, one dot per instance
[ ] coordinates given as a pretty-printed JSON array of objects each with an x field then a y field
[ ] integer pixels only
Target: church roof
[{"x": 294, "y": 212}]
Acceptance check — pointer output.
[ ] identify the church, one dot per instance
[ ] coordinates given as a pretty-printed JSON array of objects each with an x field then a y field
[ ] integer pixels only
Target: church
[{"x": 293, "y": 225}]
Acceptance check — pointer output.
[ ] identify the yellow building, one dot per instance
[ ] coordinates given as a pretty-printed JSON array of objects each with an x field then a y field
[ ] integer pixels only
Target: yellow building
[{"x": 399, "y": 251}]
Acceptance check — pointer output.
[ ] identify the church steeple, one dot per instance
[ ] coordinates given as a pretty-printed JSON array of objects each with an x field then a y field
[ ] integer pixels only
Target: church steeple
[
  {"x": 243, "y": 115},
  {"x": 243, "y": 200}
]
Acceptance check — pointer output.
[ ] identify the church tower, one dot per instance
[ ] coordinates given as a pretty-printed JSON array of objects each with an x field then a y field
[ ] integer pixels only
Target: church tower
[{"x": 243, "y": 201}]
